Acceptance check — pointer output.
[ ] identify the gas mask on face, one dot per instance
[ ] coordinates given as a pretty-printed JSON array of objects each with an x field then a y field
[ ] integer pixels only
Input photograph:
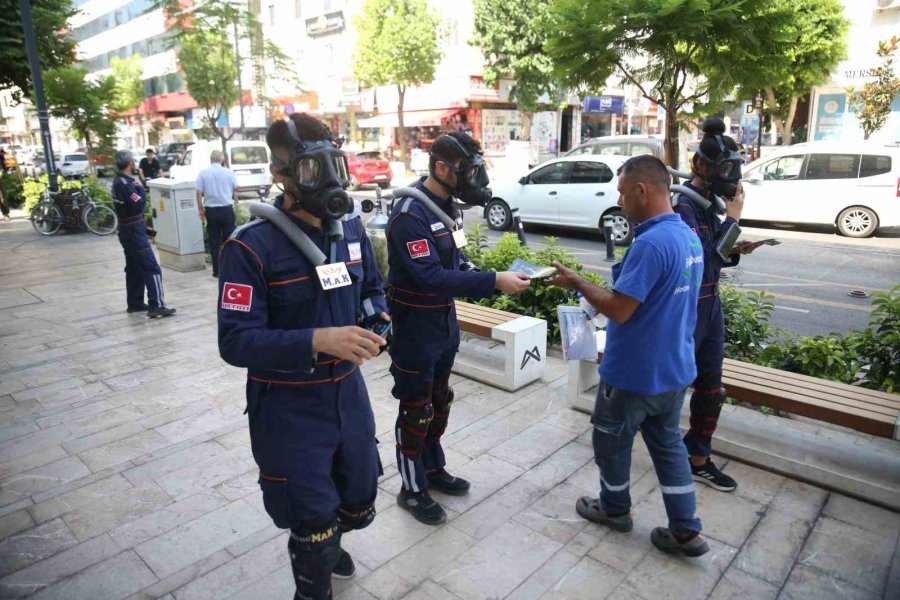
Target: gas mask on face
[
  {"x": 724, "y": 172},
  {"x": 319, "y": 173},
  {"x": 471, "y": 177}
]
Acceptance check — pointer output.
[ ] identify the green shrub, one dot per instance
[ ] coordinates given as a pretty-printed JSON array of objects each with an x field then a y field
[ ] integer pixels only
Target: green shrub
[
  {"x": 826, "y": 357},
  {"x": 747, "y": 328},
  {"x": 878, "y": 346},
  {"x": 538, "y": 300},
  {"x": 33, "y": 189},
  {"x": 12, "y": 190}
]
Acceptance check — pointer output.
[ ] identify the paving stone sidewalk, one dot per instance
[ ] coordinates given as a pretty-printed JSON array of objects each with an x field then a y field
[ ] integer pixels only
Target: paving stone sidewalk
[{"x": 125, "y": 472}]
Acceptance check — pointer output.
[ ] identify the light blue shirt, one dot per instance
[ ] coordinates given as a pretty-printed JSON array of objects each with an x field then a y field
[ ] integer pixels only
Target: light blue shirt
[{"x": 217, "y": 184}]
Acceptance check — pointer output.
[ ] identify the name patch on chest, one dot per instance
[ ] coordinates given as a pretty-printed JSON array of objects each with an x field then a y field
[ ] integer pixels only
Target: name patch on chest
[
  {"x": 437, "y": 226},
  {"x": 418, "y": 248},
  {"x": 237, "y": 296},
  {"x": 355, "y": 250},
  {"x": 333, "y": 276}
]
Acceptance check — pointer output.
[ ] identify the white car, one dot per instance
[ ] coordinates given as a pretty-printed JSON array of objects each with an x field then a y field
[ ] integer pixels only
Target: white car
[
  {"x": 248, "y": 159},
  {"x": 855, "y": 187},
  {"x": 572, "y": 191},
  {"x": 73, "y": 165}
]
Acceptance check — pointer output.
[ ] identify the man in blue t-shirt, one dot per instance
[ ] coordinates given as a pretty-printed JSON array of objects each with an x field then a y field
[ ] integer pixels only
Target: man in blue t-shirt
[{"x": 649, "y": 358}]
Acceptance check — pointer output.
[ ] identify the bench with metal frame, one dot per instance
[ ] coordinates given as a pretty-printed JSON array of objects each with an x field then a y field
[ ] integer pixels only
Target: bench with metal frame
[
  {"x": 524, "y": 355},
  {"x": 861, "y": 409}
]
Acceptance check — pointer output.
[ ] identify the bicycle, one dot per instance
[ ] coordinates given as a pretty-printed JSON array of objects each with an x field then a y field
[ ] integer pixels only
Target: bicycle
[{"x": 72, "y": 208}]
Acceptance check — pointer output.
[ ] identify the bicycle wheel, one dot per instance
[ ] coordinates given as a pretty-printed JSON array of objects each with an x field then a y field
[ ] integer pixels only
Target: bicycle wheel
[
  {"x": 100, "y": 219},
  {"x": 46, "y": 218}
]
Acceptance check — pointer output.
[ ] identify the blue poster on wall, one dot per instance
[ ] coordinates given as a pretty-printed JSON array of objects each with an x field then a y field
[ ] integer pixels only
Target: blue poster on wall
[
  {"x": 604, "y": 105},
  {"x": 830, "y": 116}
]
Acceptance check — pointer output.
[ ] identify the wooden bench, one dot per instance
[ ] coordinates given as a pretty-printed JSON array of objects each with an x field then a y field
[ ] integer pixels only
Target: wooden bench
[
  {"x": 524, "y": 355},
  {"x": 868, "y": 411}
]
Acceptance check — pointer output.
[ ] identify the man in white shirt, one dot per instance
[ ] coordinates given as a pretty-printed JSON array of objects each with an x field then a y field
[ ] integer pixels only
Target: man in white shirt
[{"x": 215, "y": 192}]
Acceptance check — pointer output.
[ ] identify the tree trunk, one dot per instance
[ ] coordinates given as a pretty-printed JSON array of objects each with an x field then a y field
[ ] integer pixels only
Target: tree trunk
[
  {"x": 89, "y": 150},
  {"x": 671, "y": 141},
  {"x": 527, "y": 120},
  {"x": 401, "y": 132}
]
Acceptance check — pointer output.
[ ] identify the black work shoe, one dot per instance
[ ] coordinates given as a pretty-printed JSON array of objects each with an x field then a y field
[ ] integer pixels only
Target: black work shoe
[
  {"x": 160, "y": 311},
  {"x": 446, "y": 483},
  {"x": 710, "y": 474},
  {"x": 422, "y": 507},
  {"x": 589, "y": 508},
  {"x": 345, "y": 568},
  {"x": 138, "y": 308},
  {"x": 666, "y": 541}
]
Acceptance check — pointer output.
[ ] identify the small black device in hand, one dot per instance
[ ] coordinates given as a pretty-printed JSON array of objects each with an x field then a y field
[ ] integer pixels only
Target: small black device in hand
[{"x": 382, "y": 328}]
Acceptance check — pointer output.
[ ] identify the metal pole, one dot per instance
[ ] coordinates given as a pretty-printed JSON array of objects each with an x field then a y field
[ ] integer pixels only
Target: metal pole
[
  {"x": 608, "y": 237},
  {"x": 237, "y": 63},
  {"x": 760, "y": 128},
  {"x": 520, "y": 228},
  {"x": 38, "y": 83}
]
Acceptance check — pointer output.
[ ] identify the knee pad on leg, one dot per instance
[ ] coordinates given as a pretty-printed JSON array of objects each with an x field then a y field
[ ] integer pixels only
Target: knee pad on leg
[
  {"x": 414, "y": 423},
  {"x": 355, "y": 517},
  {"x": 314, "y": 552},
  {"x": 441, "y": 402}
]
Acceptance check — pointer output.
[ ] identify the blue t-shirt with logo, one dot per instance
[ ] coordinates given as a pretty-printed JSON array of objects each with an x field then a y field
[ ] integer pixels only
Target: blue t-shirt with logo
[{"x": 653, "y": 352}]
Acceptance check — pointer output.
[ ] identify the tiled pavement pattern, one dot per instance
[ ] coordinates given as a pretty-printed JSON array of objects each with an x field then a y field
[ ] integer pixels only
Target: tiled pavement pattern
[{"x": 125, "y": 472}]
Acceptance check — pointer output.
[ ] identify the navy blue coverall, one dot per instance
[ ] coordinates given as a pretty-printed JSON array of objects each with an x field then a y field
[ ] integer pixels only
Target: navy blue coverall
[
  {"x": 424, "y": 279},
  {"x": 312, "y": 430},
  {"x": 709, "y": 335},
  {"x": 141, "y": 269}
]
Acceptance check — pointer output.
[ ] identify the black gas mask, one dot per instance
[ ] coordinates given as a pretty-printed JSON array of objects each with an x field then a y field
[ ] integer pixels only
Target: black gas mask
[
  {"x": 724, "y": 172},
  {"x": 319, "y": 171},
  {"x": 471, "y": 177}
]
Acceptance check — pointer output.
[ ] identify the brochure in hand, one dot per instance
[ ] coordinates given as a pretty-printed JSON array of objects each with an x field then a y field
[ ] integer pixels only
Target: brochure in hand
[{"x": 533, "y": 271}]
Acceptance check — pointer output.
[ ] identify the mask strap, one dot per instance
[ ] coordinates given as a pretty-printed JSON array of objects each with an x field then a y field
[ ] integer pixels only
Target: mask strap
[{"x": 292, "y": 129}]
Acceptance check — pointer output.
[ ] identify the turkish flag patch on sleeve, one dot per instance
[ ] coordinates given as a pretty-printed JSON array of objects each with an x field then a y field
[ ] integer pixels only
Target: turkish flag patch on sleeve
[
  {"x": 237, "y": 296},
  {"x": 418, "y": 248}
]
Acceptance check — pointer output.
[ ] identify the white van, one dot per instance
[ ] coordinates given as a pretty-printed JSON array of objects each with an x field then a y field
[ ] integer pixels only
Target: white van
[
  {"x": 249, "y": 160},
  {"x": 854, "y": 186}
]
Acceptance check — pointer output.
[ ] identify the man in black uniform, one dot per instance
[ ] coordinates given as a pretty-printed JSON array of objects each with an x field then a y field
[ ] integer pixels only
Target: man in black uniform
[
  {"x": 149, "y": 167},
  {"x": 141, "y": 269}
]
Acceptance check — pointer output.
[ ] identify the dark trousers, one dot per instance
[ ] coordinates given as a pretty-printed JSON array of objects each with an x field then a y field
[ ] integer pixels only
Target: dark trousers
[
  {"x": 141, "y": 269},
  {"x": 708, "y": 395},
  {"x": 219, "y": 226}
]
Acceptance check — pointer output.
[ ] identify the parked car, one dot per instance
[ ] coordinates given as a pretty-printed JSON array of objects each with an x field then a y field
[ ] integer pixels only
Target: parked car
[
  {"x": 168, "y": 154},
  {"x": 855, "y": 187},
  {"x": 249, "y": 160},
  {"x": 73, "y": 165},
  {"x": 571, "y": 191},
  {"x": 622, "y": 145},
  {"x": 368, "y": 167}
]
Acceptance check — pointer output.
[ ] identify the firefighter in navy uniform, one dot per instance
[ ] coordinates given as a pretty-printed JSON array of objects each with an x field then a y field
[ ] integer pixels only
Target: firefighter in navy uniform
[
  {"x": 717, "y": 170},
  {"x": 425, "y": 276},
  {"x": 301, "y": 332},
  {"x": 141, "y": 269}
]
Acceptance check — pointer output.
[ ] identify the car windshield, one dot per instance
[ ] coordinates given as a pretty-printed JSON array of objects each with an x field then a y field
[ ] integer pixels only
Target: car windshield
[
  {"x": 249, "y": 155},
  {"x": 372, "y": 155},
  {"x": 75, "y": 157}
]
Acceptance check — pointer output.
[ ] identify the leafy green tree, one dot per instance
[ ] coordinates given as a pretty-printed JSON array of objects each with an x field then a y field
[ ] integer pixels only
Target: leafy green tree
[
  {"x": 208, "y": 33},
  {"x": 55, "y": 47},
  {"x": 397, "y": 45},
  {"x": 685, "y": 55},
  {"x": 208, "y": 63},
  {"x": 508, "y": 34},
  {"x": 873, "y": 103},
  {"x": 128, "y": 88},
  {"x": 84, "y": 102},
  {"x": 787, "y": 72}
]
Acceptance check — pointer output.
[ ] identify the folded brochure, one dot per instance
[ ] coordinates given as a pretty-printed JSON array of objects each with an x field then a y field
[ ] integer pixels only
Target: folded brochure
[{"x": 533, "y": 271}]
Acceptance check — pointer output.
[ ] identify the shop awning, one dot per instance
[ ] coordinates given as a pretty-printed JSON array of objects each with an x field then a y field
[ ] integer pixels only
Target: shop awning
[{"x": 413, "y": 118}]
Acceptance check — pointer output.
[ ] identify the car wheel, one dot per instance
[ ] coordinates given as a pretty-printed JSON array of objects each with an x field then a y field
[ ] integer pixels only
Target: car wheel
[
  {"x": 498, "y": 215},
  {"x": 354, "y": 183},
  {"x": 623, "y": 232},
  {"x": 857, "y": 221}
]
